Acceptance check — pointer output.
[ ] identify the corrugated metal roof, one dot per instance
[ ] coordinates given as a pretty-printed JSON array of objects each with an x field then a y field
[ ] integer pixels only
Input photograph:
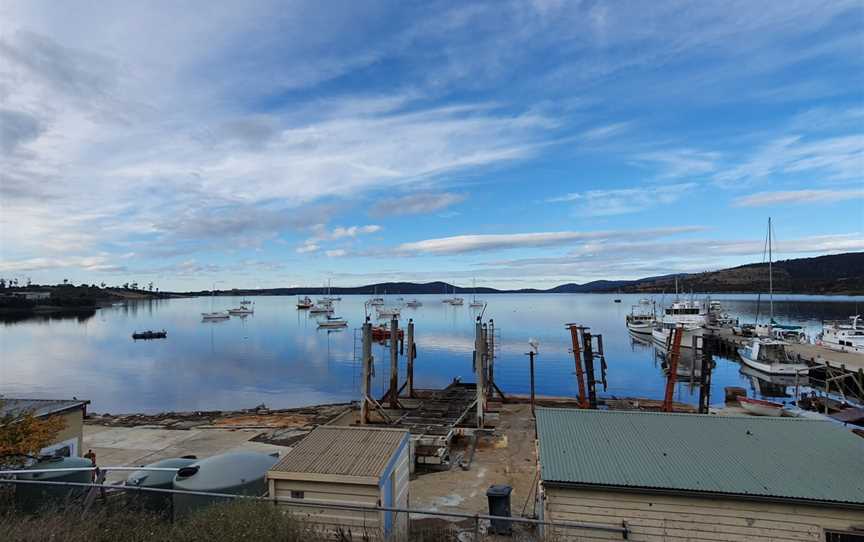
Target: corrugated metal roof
[
  {"x": 39, "y": 407},
  {"x": 772, "y": 457},
  {"x": 345, "y": 451}
]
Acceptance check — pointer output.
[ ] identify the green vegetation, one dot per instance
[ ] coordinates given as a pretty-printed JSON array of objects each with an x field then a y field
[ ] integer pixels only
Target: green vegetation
[{"x": 239, "y": 521}]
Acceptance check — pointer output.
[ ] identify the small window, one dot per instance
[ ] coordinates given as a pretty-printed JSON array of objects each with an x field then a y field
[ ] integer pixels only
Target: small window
[
  {"x": 843, "y": 536},
  {"x": 297, "y": 494}
]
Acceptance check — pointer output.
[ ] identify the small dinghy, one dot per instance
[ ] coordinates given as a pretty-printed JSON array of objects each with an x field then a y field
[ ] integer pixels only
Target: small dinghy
[
  {"x": 147, "y": 335},
  {"x": 758, "y": 407}
]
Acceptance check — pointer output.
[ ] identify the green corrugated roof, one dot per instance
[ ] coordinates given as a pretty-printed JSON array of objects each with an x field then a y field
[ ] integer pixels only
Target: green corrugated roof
[{"x": 772, "y": 457}]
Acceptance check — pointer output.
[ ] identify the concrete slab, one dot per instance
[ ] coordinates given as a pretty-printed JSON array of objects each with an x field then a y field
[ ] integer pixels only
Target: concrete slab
[{"x": 135, "y": 446}]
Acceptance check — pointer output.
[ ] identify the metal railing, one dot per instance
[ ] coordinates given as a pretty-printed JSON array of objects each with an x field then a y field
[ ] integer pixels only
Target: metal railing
[{"x": 623, "y": 530}]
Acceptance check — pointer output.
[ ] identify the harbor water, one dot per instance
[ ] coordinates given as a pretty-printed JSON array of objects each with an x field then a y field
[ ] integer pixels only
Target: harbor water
[{"x": 279, "y": 357}]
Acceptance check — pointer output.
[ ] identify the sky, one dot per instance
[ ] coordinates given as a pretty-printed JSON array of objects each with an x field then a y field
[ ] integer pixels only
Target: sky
[{"x": 515, "y": 144}]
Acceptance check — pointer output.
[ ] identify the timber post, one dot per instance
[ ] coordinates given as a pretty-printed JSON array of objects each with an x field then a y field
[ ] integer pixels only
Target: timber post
[
  {"x": 411, "y": 353},
  {"x": 394, "y": 363}
]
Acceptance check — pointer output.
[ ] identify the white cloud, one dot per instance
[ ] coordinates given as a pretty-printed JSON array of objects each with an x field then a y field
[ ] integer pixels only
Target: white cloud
[
  {"x": 605, "y": 132},
  {"x": 336, "y": 253},
  {"x": 415, "y": 204},
  {"x": 487, "y": 242},
  {"x": 677, "y": 163},
  {"x": 625, "y": 200},
  {"x": 307, "y": 246},
  {"x": 761, "y": 199},
  {"x": 831, "y": 158}
]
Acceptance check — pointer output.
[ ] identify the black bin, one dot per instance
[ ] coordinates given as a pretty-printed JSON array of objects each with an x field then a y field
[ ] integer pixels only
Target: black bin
[{"x": 499, "y": 505}]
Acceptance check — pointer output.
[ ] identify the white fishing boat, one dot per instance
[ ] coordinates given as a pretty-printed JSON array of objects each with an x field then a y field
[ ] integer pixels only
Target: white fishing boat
[
  {"x": 689, "y": 314},
  {"x": 243, "y": 310},
  {"x": 246, "y": 302},
  {"x": 304, "y": 302},
  {"x": 770, "y": 356},
  {"x": 414, "y": 304},
  {"x": 642, "y": 317},
  {"x": 457, "y": 301},
  {"x": 842, "y": 336},
  {"x": 718, "y": 318},
  {"x": 758, "y": 407},
  {"x": 333, "y": 321}
]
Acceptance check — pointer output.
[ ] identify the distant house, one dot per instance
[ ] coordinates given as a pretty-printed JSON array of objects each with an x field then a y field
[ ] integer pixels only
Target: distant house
[
  {"x": 700, "y": 477},
  {"x": 70, "y": 439},
  {"x": 357, "y": 466},
  {"x": 32, "y": 296}
]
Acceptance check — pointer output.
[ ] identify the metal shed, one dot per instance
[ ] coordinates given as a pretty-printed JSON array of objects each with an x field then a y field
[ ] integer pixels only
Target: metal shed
[
  {"x": 358, "y": 466},
  {"x": 700, "y": 477}
]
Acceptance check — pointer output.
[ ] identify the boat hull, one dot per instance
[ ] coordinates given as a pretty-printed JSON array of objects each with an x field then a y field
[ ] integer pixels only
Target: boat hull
[
  {"x": 660, "y": 336},
  {"x": 771, "y": 368},
  {"x": 642, "y": 328},
  {"x": 760, "y": 408}
]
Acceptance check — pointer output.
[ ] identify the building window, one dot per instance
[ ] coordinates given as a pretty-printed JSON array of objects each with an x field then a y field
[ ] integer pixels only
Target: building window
[
  {"x": 842, "y": 536},
  {"x": 297, "y": 494}
]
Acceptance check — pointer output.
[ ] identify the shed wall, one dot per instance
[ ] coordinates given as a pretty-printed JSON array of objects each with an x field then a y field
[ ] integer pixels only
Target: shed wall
[
  {"x": 352, "y": 494},
  {"x": 71, "y": 435},
  {"x": 672, "y": 518}
]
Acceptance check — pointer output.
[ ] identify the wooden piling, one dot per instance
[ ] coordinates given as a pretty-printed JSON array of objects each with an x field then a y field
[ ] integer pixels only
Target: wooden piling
[
  {"x": 705, "y": 380},
  {"x": 479, "y": 348},
  {"x": 366, "y": 381},
  {"x": 394, "y": 363},
  {"x": 577, "y": 360},
  {"x": 411, "y": 353},
  {"x": 531, "y": 355},
  {"x": 588, "y": 351},
  {"x": 490, "y": 342}
]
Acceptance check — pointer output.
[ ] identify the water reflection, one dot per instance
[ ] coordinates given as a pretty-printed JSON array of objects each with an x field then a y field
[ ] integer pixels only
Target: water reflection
[{"x": 280, "y": 357}]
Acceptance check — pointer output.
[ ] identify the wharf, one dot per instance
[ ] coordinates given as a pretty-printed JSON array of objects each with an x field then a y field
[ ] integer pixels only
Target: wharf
[{"x": 813, "y": 354}]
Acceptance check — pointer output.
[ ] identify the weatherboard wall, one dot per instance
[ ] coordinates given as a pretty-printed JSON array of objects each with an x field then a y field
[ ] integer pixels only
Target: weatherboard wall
[{"x": 655, "y": 518}]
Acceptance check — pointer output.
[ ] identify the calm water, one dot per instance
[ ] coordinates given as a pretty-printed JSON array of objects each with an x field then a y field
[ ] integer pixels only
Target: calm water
[{"x": 279, "y": 357}]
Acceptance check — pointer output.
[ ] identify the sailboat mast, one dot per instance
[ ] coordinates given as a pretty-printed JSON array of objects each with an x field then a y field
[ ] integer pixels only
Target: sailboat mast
[{"x": 770, "y": 275}]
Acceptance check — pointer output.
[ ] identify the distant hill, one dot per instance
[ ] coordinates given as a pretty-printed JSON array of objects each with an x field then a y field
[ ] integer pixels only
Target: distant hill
[{"x": 834, "y": 274}]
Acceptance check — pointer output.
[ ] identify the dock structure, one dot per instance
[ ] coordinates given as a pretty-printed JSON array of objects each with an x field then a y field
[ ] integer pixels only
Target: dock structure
[{"x": 432, "y": 416}]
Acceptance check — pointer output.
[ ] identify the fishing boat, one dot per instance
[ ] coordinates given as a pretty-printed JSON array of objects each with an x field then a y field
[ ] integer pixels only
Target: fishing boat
[
  {"x": 770, "y": 356},
  {"x": 842, "y": 336},
  {"x": 245, "y": 302},
  {"x": 688, "y": 314},
  {"x": 414, "y": 304},
  {"x": 718, "y": 318},
  {"x": 147, "y": 335},
  {"x": 758, "y": 407},
  {"x": 242, "y": 310},
  {"x": 304, "y": 303},
  {"x": 642, "y": 317},
  {"x": 333, "y": 321},
  {"x": 382, "y": 333},
  {"x": 617, "y": 299}
]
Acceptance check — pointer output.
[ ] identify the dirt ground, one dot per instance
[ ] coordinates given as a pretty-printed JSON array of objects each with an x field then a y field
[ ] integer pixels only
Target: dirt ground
[{"x": 507, "y": 457}]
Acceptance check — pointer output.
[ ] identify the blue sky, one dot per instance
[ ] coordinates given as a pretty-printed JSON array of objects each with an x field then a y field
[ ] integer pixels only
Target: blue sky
[{"x": 522, "y": 143}]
